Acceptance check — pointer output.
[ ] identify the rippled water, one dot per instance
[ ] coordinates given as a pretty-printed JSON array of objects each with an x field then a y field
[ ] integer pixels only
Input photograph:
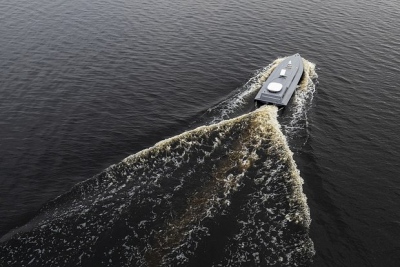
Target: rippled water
[{"x": 86, "y": 83}]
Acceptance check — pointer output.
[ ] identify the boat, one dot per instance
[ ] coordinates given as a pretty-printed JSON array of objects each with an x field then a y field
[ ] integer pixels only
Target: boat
[{"x": 279, "y": 87}]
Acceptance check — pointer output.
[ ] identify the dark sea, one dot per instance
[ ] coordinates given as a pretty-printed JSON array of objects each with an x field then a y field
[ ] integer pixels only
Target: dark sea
[{"x": 128, "y": 135}]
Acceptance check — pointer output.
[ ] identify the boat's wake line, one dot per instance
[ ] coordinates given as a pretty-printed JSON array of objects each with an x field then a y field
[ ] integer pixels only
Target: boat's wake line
[
  {"x": 227, "y": 194},
  {"x": 225, "y": 109}
]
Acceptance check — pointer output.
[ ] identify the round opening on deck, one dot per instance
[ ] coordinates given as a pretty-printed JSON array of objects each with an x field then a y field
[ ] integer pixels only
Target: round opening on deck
[{"x": 274, "y": 87}]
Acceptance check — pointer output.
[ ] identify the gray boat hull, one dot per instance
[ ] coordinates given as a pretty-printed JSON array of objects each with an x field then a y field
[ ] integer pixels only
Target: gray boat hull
[{"x": 281, "y": 84}]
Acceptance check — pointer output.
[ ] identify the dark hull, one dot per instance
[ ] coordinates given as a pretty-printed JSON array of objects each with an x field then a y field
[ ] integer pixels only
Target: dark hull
[{"x": 278, "y": 89}]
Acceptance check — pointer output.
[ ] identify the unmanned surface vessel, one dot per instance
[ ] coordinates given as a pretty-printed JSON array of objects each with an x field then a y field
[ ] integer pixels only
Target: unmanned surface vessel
[{"x": 281, "y": 84}]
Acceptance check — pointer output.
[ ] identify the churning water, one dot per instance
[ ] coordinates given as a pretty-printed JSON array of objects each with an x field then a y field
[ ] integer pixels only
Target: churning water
[{"x": 226, "y": 194}]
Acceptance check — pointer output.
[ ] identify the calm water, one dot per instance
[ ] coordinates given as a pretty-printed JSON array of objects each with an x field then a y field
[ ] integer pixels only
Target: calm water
[{"x": 85, "y": 84}]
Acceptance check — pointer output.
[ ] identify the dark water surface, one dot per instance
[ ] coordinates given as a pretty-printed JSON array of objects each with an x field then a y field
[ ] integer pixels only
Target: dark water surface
[{"x": 85, "y": 84}]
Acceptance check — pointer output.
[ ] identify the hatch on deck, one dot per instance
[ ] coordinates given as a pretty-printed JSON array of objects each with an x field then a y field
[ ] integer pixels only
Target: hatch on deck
[{"x": 274, "y": 87}]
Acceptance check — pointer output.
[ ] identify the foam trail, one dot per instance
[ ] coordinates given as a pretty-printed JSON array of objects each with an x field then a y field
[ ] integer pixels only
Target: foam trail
[
  {"x": 227, "y": 194},
  {"x": 297, "y": 119}
]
